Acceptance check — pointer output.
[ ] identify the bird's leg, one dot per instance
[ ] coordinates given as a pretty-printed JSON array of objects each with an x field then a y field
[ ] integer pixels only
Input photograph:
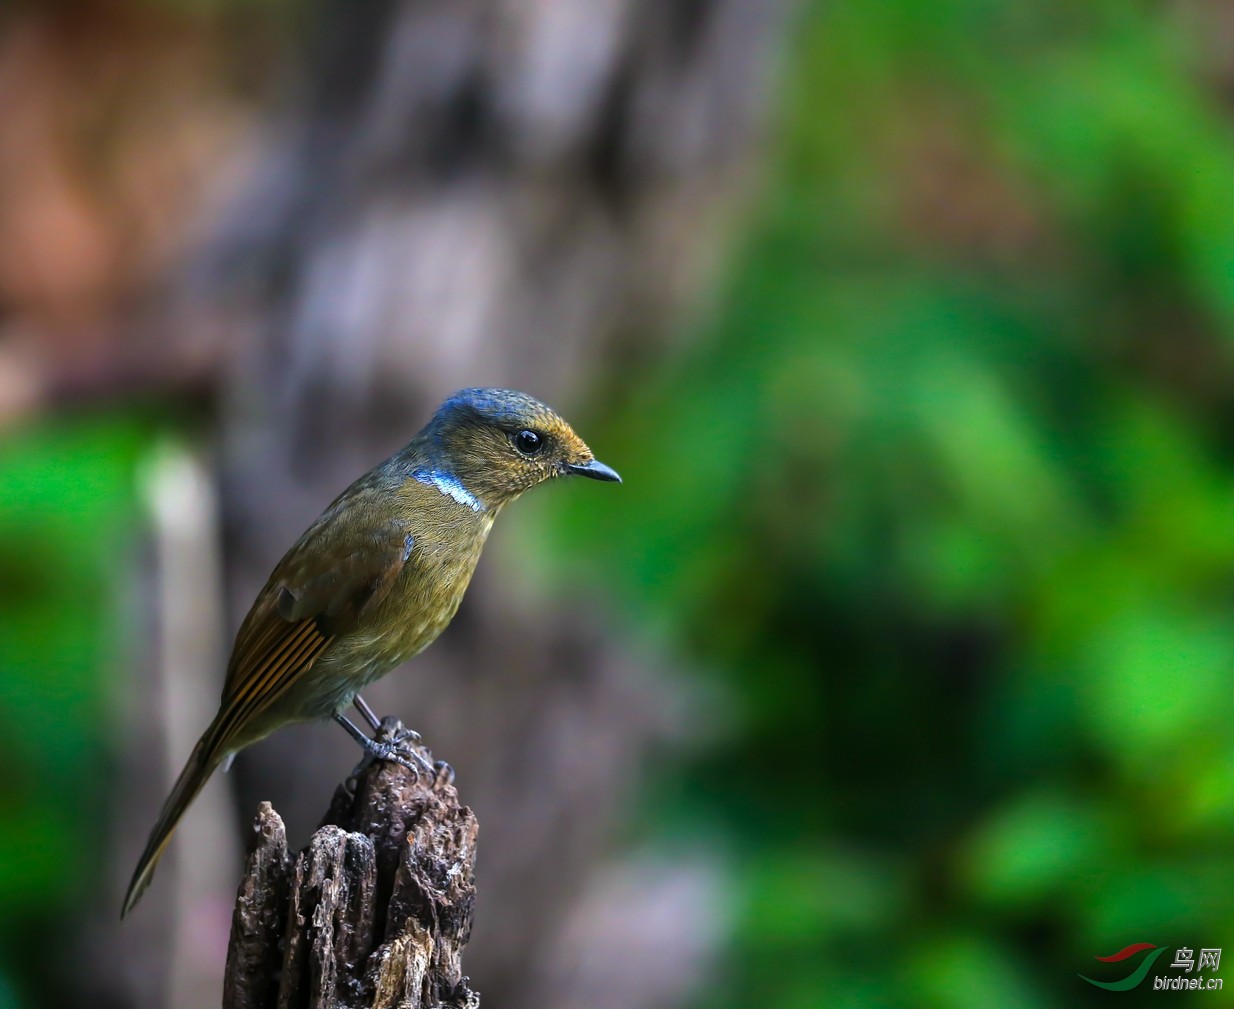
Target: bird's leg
[
  {"x": 366, "y": 712},
  {"x": 383, "y": 749},
  {"x": 400, "y": 734}
]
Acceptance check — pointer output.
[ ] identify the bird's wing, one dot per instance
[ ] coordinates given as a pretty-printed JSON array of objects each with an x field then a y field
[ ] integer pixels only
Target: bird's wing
[{"x": 329, "y": 580}]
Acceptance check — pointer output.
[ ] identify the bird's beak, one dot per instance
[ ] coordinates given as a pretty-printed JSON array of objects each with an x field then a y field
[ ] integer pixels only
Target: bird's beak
[{"x": 594, "y": 469}]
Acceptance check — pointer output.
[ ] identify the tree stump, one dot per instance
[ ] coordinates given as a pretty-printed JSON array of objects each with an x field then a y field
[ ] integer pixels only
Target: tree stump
[{"x": 373, "y": 913}]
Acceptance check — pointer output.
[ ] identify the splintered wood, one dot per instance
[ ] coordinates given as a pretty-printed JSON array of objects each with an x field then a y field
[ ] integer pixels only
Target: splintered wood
[{"x": 372, "y": 914}]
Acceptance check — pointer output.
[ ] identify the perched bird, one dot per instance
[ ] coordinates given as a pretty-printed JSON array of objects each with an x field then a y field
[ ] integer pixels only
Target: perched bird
[{"x": 375, "y": 579}]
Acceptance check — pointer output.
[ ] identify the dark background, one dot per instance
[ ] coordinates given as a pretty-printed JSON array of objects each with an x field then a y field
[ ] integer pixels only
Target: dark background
[{"x": 897, "y": 672}]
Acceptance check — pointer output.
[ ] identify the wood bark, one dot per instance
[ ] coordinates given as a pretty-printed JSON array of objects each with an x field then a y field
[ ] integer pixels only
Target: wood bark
[{"x": 373, "y": 913}]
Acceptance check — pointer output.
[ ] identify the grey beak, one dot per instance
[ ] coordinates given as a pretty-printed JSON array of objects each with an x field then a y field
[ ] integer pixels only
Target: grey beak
[{"x": 594, "y": 469}]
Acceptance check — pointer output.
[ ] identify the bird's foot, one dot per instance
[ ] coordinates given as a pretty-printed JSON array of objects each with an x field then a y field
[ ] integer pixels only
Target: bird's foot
[
  {"x": 396, "y": 744},
  {"x": 393, "y": 750},
  {"x": 390, "y": 744},
  {"x": 403, "y": 739},
  {"x": 402, "y": 735}
]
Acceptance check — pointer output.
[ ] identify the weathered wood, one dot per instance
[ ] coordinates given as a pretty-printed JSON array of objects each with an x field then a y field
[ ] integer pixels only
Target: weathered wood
[
  {"x": 253, "y": 958},
  {"x": 373, "y": 913}
]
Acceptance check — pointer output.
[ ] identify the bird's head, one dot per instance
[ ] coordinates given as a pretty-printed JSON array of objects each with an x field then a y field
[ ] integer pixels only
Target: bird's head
[{"x": 498, "y": 443}]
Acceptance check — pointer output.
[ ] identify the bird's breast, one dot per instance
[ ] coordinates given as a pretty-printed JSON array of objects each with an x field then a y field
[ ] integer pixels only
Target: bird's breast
[{"x": 426, "y": 596}]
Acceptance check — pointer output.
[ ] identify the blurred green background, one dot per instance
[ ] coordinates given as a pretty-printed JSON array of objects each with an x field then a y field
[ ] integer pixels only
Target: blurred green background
[
  {"x": 953, "y": 512},
  {"x": 939, "y": 494}
]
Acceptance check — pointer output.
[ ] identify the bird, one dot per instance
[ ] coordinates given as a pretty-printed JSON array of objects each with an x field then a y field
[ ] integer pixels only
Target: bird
[{"x": 374, "y": 580}]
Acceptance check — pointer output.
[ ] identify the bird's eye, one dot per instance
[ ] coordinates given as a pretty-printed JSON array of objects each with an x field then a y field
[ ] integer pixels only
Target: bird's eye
[{"x": 528, "y": 442}]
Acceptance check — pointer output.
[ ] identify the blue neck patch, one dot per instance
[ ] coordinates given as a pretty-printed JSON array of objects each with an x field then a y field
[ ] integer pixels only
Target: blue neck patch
[{"x": 450, "y": 485}]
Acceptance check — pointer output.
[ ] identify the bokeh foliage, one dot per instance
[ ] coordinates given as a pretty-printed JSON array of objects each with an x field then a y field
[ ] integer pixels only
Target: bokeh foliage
[
  {"x": 943, "y": 492},
  {"x": 68, "y": 519}
]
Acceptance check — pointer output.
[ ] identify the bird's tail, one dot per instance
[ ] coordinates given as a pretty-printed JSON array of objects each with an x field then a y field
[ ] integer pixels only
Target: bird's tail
[{"x": 201, "y": 764}]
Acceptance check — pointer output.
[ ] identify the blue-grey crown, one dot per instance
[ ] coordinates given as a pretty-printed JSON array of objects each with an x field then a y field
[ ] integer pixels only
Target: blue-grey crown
[{"x": 502, "y": 406}]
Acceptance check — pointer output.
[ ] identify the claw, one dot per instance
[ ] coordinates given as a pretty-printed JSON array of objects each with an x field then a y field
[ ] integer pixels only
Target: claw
[{"x": 387, "y": 749}]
